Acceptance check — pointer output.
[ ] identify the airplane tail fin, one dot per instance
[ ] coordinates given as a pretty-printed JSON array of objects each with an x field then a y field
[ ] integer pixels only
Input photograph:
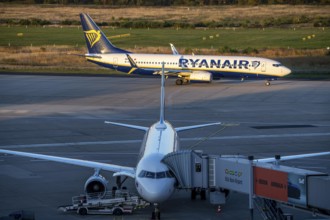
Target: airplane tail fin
[
  {"x": 161, "y": 124},
  {"x": 97, "y": 42}
]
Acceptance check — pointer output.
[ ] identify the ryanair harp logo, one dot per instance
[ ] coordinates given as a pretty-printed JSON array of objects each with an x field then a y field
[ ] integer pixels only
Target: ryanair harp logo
[{"x": 93, "y": 36}]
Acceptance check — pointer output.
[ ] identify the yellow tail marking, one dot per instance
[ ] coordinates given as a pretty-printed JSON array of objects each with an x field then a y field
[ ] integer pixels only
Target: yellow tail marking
[{"x": 93, "y": 36}]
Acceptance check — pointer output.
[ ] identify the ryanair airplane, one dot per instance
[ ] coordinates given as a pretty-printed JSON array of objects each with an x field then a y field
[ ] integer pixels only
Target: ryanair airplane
[{"x": 186, "y": 68}]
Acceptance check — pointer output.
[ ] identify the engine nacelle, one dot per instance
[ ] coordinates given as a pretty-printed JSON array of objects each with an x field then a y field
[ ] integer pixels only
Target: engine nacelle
[
  {"x": 97, "y": 185},
  {"x": 201, "y": 76}
]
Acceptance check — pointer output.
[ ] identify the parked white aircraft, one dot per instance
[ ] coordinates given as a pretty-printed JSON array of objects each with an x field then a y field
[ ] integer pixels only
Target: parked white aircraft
[
  {"x": 187, "y": 68},
  {"x": 153, "y": 179}
]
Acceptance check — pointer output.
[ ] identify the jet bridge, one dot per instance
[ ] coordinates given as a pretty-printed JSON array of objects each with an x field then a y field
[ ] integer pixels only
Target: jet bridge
[
  {"x": 193, "y": 169},
  {"x": 189, "y": 167},
  {"x": 268, "y": 185}
]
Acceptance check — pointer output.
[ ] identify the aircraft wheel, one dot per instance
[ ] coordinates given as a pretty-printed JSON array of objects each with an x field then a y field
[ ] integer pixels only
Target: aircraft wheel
[
  {"x": 267, "y": 83},
  {"x": 82, "y": 211},
  {"x": 179, "y": 82},
  {"x": 193, "y": 194},
  {"x": 185, "y": 81},
  {"x": 155, "y": 215},
  {"x": 117, "y": 211},
  {"x": 203, "y": 194}
]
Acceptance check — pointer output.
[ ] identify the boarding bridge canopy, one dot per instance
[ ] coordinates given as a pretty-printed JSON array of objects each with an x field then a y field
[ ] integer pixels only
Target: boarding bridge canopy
[{"x": 189, "y": 167}]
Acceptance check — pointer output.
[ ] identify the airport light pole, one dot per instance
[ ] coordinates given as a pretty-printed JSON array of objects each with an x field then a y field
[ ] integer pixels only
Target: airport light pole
[{"x": 251, "y": 187}]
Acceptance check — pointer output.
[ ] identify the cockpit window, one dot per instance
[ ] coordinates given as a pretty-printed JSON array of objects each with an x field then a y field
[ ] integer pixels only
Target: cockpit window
[
  {"x": 142, "y": 173},
  {"x": 160, "y": 175},
  {"x": 277, "y": 64},
  {"x": 150, "y": 175},
  {"x": 147, "y": 174},
  {"x": 169, "y": 174},
  {"x": 153, "y": 175}
]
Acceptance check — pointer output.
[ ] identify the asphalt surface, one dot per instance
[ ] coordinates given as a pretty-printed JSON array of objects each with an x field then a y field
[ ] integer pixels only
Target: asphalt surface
[{"x": 64, "y": 115}]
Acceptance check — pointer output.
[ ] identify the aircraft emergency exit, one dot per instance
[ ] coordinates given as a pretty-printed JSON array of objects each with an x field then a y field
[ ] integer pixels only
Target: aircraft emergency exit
[{"x": 186, "y": 68}]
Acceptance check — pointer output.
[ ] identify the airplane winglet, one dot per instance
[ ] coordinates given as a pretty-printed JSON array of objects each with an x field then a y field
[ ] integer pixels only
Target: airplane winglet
[{"x": 174, "y": 51}]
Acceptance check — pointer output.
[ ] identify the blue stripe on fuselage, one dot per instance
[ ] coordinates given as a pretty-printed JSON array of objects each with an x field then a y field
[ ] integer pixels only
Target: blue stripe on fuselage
[{"x": 216, "y": 74}]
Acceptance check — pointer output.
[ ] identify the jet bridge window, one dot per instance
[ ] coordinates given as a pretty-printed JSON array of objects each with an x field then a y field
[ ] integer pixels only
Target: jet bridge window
[{"x": 198, "y": 167}]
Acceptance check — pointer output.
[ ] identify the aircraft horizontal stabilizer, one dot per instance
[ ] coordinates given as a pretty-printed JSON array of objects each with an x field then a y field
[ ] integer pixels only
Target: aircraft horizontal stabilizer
[
  {"x": 128, "y": 125},
  {"x": 196, "y": 126},
  {"x": 292, "y": 157},
  {"x": 86, "y": 55}
]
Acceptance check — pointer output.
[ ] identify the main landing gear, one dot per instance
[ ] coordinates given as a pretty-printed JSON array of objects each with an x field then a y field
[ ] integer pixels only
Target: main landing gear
[{"x": 182, "y": 81}]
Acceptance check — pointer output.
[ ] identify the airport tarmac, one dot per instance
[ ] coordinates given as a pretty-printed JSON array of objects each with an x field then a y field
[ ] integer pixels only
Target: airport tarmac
[{"x": 64, "y": 115}]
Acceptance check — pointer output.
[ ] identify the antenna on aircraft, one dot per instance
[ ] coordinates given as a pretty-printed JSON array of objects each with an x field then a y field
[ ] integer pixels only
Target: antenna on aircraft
[{"x": 161, "y": 125}]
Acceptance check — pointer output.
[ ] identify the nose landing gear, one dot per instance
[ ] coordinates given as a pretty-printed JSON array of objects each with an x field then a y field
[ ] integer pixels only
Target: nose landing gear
[{"x": 156, "y": 213}]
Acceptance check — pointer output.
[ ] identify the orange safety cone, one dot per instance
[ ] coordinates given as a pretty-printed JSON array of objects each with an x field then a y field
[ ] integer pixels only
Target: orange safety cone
[{"x": 219, "y": 209}]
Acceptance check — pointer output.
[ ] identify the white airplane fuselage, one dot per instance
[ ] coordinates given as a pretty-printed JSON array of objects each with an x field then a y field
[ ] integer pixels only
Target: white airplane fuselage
[
  {"x": 187, "y": 68},
  {"x": 218, "y": 66},
  {"x": 153, "y": 180}
]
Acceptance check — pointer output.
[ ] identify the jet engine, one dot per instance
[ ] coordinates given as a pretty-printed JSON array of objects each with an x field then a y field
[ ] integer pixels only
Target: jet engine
[
  {"x": 96, "y": 184},
  {"x": 201, "y": 76}
]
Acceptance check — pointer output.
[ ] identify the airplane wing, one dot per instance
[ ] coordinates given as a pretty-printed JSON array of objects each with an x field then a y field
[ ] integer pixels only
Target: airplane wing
[
  {"x": 196, "y": 126},
  {"x": 157, "y": 71},
  {"x": 292, "y": 157},
  {"x": 129, "y": 171}
]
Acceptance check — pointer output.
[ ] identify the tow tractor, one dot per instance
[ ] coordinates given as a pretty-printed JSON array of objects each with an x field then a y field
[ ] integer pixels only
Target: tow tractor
[{"x": 116, "y": 202}]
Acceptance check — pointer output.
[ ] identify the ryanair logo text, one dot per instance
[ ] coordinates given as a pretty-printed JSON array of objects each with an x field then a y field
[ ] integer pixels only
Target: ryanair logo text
[
  {"x": 203, "y": 63},
  {"x": 93, "y": 36}
]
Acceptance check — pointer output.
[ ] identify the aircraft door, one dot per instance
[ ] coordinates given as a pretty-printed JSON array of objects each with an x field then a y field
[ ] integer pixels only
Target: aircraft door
[
  {"x": 115, "y": 62},
  {"x": 263, "y": 67}
]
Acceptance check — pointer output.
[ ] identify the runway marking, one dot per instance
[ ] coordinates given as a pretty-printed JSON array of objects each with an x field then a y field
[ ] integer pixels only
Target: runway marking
[{"x": 182, "y": 139}]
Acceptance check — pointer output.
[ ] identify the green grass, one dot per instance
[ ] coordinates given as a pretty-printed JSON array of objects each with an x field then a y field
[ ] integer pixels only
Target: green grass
[{"x": 183, "y": 38}]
